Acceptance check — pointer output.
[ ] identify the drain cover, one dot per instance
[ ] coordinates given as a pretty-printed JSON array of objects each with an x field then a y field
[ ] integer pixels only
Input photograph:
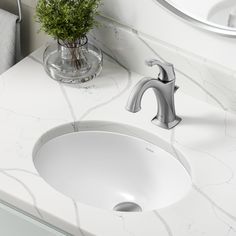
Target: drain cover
[{"x": 127, "y": 207}]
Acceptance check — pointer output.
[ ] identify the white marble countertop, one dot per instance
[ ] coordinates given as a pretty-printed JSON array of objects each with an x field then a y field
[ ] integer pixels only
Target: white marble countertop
[{"x": 31, "y": 103}]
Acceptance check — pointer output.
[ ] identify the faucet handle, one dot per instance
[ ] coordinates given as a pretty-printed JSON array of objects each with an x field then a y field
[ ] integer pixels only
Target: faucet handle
[{"x": 167, "y": 71}]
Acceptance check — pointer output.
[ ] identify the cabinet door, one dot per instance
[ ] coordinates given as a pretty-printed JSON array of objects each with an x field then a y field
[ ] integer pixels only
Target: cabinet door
[{"x": 15, "y": 223}]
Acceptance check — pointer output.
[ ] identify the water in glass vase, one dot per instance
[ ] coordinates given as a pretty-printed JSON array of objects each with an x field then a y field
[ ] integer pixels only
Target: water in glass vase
[{"x": 73, "y": 62}]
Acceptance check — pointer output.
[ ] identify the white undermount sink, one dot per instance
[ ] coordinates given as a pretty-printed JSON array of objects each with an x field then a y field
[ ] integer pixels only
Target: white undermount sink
[{"x": 110, "y": 169}]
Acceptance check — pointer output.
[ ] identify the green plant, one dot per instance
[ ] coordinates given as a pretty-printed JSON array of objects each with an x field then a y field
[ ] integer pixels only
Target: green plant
[{"x": 67, "y": 20}]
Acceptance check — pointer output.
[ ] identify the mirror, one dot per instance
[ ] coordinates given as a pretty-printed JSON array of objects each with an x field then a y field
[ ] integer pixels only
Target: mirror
[{"x": 218, "y": 16}]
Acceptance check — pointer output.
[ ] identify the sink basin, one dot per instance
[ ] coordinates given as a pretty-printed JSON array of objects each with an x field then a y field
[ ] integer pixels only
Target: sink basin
[{"x": 111, "y": 170}]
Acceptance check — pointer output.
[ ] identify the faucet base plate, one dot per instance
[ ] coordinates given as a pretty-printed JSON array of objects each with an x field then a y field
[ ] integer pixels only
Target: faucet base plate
[{"x": 164, "y": 125}]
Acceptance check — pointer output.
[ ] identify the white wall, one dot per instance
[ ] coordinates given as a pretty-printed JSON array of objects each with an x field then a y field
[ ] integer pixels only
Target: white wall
[{"x": 31, "y": 39}]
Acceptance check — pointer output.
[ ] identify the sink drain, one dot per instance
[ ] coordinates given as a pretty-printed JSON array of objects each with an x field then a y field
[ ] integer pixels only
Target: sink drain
[{"x": 127, "y": 207}]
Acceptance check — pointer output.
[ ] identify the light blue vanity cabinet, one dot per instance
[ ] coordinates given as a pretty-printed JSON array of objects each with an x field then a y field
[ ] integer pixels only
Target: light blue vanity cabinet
[{"x": 14, "y": 223}]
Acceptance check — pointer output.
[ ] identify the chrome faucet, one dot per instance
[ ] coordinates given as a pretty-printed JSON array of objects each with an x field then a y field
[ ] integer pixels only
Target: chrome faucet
[{"x": 164, "y": 89}]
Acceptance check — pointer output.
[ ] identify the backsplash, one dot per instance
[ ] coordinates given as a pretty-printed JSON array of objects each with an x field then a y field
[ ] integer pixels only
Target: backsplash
[
  {"x": 196, "y": 75},
  {"x": 148, "y": 17}
]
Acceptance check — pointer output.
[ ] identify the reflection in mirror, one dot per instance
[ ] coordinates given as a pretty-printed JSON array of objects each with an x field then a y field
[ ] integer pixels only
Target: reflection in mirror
[
  {"x": 223, "y": 13},
  {"x": 218, "y": 16}
]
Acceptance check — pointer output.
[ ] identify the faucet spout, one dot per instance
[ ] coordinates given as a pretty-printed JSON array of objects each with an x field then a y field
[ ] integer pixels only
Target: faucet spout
[
  {"x": 134, "y": 102},
  {"x": 164, "y": 91}
]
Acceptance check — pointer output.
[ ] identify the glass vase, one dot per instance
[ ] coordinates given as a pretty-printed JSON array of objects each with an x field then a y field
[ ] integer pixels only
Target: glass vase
[{"x": 73, "y": 62}]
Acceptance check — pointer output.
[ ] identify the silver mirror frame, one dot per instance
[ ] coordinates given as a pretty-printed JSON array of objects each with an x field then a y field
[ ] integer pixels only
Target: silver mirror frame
[{"x": 204, "y": 25}]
